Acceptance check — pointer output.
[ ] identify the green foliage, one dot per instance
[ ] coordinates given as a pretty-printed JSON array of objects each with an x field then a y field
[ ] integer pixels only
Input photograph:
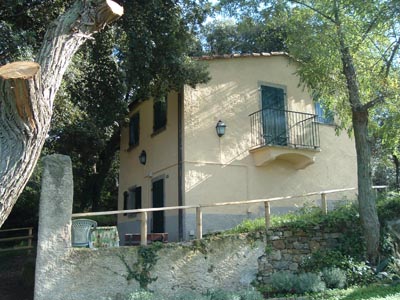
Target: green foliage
[
  {"x": 140, "y": 270},
  {"x": 283, "y": 282},
  {"x": 158, "y": 37},
  {"x": 307, "y": 217},
  {"x": 246, "y": 35},
  {"x": 372, "y": 292},
  {"x": 248, "y": 226},
  {"x": 389, "y": 207},
  {"x": 146, "y": 50},
  {"x": 247, "y": 294},
  {"x": 286, "y": 282},
  {"x": 334, "y": 278},
  {"x": 105, "y": 220},
  {"x": 308, "y": 282},
  {"x": 23, "y": 24},
  {"x": 357, "y": 271}
]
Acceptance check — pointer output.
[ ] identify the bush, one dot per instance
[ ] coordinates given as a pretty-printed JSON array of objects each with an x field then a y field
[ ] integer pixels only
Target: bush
[
  {"x": 282, "y": 282},
  {"x": 308, "y": 282},
  {"x": 249, "y": 294},
  {"x": 139, "y": 295},
  {"x": 357, "y": 272},
  {"x": 334, "y": 278},
  {"x": 285, "y": 282},
  {"x": 389, "y": 207}
]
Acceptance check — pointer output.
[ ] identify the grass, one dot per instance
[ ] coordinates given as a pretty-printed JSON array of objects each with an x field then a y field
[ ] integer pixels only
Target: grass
[
  {"x": 372, "y": 292},
  {"x": 305, "y": 217}
]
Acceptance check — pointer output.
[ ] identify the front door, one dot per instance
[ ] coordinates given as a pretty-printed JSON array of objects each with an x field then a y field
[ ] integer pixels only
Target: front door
[
  {"x": 274, "y": 115},
  {"x": 158, "y": 201}
]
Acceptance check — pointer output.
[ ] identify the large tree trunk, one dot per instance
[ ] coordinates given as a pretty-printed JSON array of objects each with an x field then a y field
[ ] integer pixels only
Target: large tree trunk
[
  {"x": 27, "y": 92},
  {"x": 366, "y": 196}
]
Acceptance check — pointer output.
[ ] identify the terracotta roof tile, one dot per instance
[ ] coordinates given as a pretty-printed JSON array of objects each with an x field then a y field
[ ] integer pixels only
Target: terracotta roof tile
[{"x": 240, "y": 55}]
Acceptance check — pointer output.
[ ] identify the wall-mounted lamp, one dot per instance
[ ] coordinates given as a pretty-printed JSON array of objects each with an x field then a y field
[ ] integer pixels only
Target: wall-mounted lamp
[
  {"x": 143, "y": 157},
  {"x": 220, "y": 128}
]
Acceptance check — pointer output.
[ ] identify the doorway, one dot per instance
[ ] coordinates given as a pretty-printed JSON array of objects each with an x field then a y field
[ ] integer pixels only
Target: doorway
[
  {"x": 274, "y": 115},
  {"x": 158, "y": 201}
]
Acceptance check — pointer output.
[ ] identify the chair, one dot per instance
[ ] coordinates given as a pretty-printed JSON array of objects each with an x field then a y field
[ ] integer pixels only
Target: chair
[{"x": 81, "y": 230}]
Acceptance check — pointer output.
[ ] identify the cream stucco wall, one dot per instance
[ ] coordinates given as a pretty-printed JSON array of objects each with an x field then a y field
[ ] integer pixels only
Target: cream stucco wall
[
  {"x": 162, "y": 161},
  {"x": 223, "y": 169}
]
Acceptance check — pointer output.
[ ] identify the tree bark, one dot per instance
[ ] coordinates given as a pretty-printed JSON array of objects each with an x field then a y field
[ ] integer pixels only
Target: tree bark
[
  {"x": 366, "y": 196},
  {"x": 28, "y": 89}
]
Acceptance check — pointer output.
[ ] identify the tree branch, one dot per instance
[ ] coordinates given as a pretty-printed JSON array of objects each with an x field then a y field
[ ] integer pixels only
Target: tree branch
[
  {"x": 314, "y": 10},
  {"x": 372, "y": 103},
  {"x": 389, "y": 63}
]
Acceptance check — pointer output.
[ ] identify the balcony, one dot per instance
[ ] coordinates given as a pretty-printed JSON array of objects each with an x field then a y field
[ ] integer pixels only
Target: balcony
[{"x": 284, "y": 135}]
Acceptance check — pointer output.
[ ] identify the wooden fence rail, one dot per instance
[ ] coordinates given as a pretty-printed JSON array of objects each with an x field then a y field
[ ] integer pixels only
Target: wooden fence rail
[
  {"x": 28, "y": 237},
  {"x": 199, "y": 209}
]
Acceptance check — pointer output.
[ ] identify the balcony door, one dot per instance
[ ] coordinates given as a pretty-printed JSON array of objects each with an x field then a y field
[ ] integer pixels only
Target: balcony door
[{"x": 274, "y": 116}]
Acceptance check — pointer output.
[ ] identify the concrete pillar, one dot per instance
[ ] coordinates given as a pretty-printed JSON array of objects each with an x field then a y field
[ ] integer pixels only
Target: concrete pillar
[{"x": 55, "y": 209}]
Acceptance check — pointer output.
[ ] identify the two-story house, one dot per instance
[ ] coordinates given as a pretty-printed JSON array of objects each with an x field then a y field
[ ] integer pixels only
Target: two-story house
[{"x": 274, "y": 144}]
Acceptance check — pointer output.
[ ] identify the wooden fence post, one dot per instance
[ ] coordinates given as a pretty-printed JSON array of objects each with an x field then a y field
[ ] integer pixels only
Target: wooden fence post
[
  {"x": 199, "y": 223},
  {"x": 324, "y": 204},
  {"x": 267, "y": 215},
  {"x": 143, "y": 229},
  {"x": 30, "y": 237}
]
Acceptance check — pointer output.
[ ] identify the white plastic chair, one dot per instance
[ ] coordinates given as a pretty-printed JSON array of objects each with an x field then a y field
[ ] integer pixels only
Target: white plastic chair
[{"x": 81, "y": 230}]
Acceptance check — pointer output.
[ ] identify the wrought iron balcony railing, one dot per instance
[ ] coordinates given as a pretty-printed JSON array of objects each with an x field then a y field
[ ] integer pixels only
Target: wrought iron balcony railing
[{"x": 284, "y": 128}]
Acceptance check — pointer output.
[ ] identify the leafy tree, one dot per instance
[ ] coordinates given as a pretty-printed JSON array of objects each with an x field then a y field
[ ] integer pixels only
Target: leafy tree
[
  {"x": 105, "y": 75},
  {"x": 159, "y": 39},
  {"x": 28, "y": 89},
  {"x": 246, "y": 34},
  {"x": 347, "y": 52}
]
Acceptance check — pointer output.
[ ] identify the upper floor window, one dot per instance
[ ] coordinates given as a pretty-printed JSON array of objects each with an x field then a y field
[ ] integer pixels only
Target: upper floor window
[
  {"x": 134, "y": 130},
  {"x": 324, "y": 115},
  {"x": 160, "y": 113}
]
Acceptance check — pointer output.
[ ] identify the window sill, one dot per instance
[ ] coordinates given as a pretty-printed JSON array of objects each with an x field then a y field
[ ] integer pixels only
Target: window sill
[{"x": 159, "y": 130}]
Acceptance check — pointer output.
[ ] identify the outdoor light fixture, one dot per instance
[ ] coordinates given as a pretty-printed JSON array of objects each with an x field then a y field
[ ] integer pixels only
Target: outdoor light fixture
[
  {"x": 143, "y": 157},
  {"x": 220, "y": 128}
]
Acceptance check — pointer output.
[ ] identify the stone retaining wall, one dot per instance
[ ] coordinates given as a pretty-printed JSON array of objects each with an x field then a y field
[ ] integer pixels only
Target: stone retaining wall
[{"x": 287, "y": 248}]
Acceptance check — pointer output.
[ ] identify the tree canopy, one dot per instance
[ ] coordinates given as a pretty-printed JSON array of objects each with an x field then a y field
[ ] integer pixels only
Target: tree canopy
[
  {"x": 349, "y": 58},
  {"x": 145, "y": 53}
]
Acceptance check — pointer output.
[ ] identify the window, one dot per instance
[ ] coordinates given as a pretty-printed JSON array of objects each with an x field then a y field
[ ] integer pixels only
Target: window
[
  {"x": 134, "y": 130},
  {"x": 324, "y": 115},
  {"x": 133, "y": 199},
  {"x": 160, "y": 113}
]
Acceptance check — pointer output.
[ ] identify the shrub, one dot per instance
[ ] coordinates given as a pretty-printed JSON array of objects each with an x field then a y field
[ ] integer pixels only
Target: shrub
[
  {"x": 139, "y": 295},
  {"x": 285, "y": 282},
  {"x": 282, "y": 282},
  {"x": 357, "y": 272},
  {"x": 334, "y": 278},
  {"x": 249, "y": 294},
  {"x": 308, "y": 282},
  {"x": 389, "y": 207}
]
